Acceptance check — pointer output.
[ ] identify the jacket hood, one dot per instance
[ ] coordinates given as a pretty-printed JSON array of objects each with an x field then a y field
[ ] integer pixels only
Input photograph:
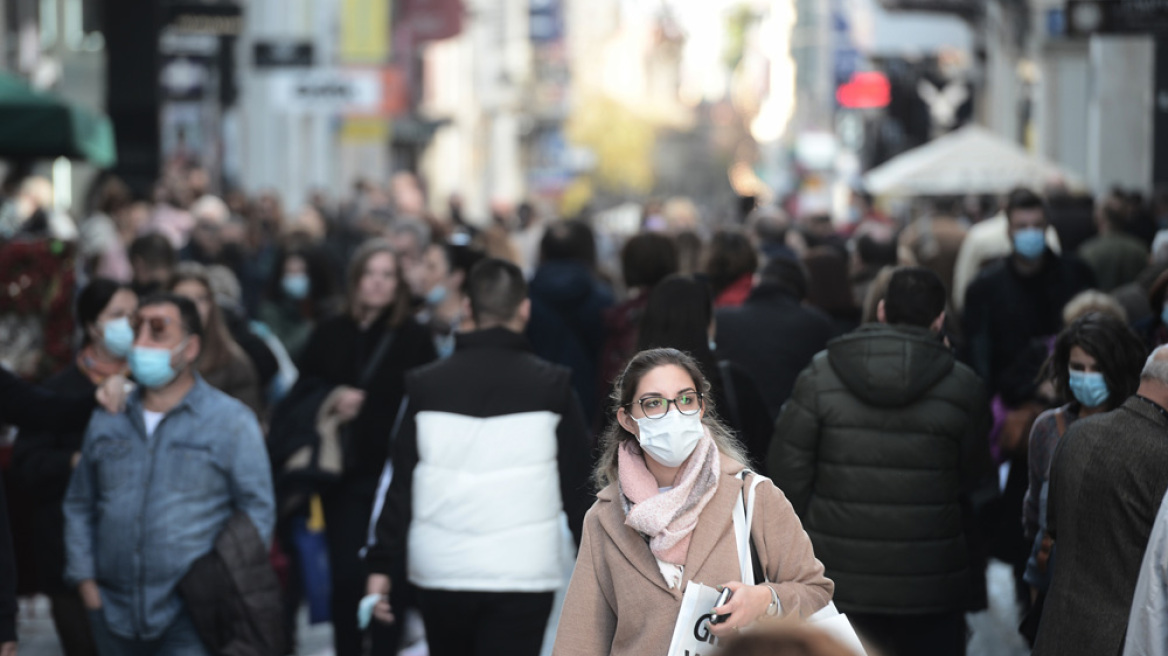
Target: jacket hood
[{"x": 889, "y": 365}]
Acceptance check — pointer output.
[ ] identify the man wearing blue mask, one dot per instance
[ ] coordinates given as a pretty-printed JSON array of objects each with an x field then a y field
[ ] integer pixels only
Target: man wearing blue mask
[
  {"x": 1019, "y": 297},
  {"x": 156, "y": 484}
]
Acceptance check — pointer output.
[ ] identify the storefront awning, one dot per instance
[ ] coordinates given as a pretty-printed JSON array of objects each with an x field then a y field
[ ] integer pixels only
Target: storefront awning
[{"x": 39, "y": 125}]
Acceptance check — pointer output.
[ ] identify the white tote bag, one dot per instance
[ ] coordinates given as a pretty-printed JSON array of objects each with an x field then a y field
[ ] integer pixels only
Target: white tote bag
[{"x": 691, "y": 634}]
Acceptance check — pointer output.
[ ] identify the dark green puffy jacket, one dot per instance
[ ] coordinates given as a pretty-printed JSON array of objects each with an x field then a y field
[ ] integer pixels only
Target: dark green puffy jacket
[{"x": 879, "y": 449}]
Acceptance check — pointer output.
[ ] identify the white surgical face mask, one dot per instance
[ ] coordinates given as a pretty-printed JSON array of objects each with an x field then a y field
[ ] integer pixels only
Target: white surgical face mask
[{"x": 672, "y": 438}]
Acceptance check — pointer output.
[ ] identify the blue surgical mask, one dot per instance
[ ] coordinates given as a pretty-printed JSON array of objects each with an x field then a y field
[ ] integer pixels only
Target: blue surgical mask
[
  {"x": 436, "y": 295},
  {"x": 1164, "y": 314},
  {"x": 444, "y": 345},
  {"x": 151, "y": 366},
  {"x": 118, "y": 336},
  {"x": 295, "y": 286},
  {"x": 1089, "y": 388},
  {"x": 1030, "y": 243}
]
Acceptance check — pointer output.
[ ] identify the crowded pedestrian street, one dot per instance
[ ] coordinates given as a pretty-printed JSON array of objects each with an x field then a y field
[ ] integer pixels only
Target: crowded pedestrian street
[{"x": 583, "y": 327}]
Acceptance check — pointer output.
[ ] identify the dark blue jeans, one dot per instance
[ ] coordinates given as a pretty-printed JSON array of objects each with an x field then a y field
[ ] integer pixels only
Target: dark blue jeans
[{"x": 180, "y": 639}]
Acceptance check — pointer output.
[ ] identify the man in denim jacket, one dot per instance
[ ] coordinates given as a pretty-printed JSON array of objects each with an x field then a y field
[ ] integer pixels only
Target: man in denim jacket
[{"x": 155, "y": 485}]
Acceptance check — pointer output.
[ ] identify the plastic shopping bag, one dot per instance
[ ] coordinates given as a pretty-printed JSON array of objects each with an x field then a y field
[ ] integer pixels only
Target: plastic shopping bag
[
  {"x": 836, "y": 624},
  {"x": 691, "y": 634}
]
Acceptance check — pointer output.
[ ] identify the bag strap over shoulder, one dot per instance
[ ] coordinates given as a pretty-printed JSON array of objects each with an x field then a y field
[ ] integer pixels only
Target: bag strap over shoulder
[
  {"x": 1060, "y": 422},
  {"x": 376, "y": 357},
  {"x": 752, "y": 571}
]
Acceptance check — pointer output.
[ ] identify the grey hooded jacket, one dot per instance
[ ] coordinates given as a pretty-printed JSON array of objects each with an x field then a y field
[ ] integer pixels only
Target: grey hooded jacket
[{"x": 880, "y": 449}]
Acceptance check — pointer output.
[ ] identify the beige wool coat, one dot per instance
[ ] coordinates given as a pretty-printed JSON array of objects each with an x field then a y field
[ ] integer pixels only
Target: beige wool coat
[{"x": 619, "y": 603}]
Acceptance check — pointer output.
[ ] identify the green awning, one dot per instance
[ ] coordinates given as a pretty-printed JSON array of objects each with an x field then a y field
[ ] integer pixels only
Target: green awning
[{"x": 38, "y": 125}]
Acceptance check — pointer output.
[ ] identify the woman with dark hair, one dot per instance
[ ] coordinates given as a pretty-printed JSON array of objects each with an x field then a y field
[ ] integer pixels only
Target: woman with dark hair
[
  {"x": 43, "y": 461},
  {"x": 222, "y": 362},
  {"x": 301, "y": 293},
  {"x": 1094, "y": 368},
  {"x": 680, "y": 314},
  {"x": 670, "y": 475},
  {"x": 646, "y": 260},
  {"x": 731, "y": 262},
  {"x": 358, "y": 361},
  {"x": 829, "y": 289}
]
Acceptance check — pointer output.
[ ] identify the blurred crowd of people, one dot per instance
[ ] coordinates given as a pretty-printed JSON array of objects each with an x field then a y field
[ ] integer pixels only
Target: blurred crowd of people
[{"x": 972, "y": 382}]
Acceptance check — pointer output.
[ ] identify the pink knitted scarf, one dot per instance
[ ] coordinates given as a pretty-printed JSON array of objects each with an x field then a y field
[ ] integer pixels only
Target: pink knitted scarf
[{"x": 669, "y": 517}]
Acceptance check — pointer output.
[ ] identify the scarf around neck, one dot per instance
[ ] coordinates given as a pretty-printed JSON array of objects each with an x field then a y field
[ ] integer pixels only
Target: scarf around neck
[{"x": 668, "y": 518}]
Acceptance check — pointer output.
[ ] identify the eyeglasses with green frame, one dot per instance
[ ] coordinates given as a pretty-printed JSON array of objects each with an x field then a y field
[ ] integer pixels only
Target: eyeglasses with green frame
[{"x": 656, "y": 407}]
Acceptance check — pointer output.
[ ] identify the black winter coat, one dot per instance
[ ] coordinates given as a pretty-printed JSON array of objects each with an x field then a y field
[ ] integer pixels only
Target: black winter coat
[
  {"x": 741, "y": 407},
  {"x": 337, "y": 353},
  {"x": 29, "y": 408},
  {"x": 773, "y": 337},
  {"x": 42, "y": 464},
  {"x": 233, "y": 595},
  {"x": 880, "y": 451},
  {"x": 1005, "y": 310},
  {"x": 567, "y": 325}
]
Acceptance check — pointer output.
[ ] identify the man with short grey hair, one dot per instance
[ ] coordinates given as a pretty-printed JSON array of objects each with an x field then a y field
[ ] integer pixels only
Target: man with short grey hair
[{"x": 1106, "y": 484}]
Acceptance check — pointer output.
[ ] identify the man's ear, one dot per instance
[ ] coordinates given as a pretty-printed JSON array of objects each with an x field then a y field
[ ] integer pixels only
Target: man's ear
[
  {"x": 880, "y": 316},
  {"x": 465, "y": 309},
  {"x": 627, "y": 422},
  {"x": 524, "y": 311},
  {"x": 938, "y": 323},
  {"x": 193, "y": 348}
]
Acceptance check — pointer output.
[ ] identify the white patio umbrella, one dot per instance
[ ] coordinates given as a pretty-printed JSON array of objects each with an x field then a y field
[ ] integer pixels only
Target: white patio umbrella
[{"x": 971, "y": 160}]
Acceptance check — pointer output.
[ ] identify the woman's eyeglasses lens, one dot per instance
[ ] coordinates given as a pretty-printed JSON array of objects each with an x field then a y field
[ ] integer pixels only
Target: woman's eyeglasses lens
[{"x": 656, "y": 407}]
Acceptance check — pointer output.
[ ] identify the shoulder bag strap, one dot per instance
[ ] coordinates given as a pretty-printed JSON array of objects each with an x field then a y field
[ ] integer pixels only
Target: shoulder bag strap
[
  {"x": 1060, "y": 422},
  {"x": 751, "y": 567},
  {"x": 376, "y": 358}
]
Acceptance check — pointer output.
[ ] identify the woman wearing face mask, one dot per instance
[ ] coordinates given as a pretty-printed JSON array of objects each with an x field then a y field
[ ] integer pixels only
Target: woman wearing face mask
[
  {"x": 1095, "y": 366},
  {"x": 301, "y": 294},
  {"x": 668, "y": 474},
  {"x": 222, "y": 362},
  {"x": 44, "y": 461},
  {"x": 358, "y": 360}
]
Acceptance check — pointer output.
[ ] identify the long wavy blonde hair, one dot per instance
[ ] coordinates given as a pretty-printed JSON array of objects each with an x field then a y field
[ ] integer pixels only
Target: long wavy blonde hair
[{"x": 625, "y": 389}]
